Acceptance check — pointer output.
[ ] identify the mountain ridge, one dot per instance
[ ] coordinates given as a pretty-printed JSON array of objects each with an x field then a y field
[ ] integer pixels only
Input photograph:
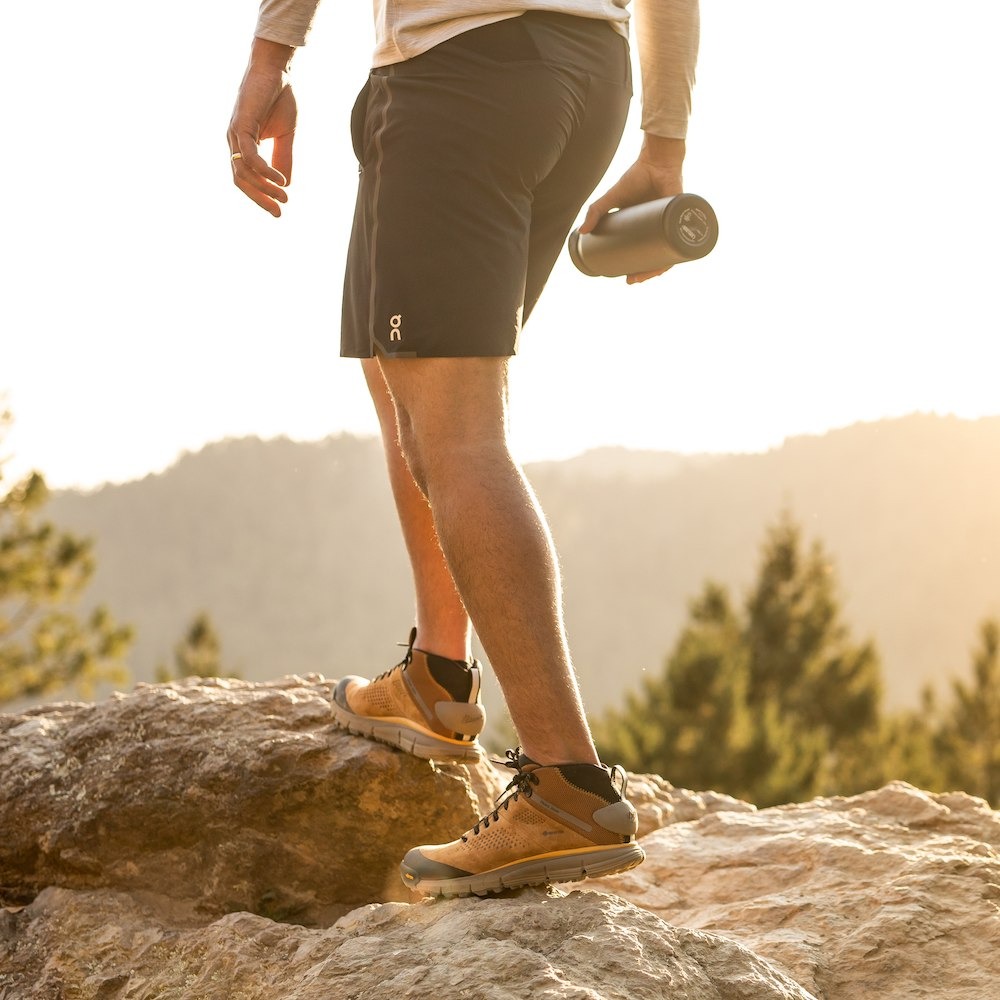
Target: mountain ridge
[{"x": 294, "y": 551}]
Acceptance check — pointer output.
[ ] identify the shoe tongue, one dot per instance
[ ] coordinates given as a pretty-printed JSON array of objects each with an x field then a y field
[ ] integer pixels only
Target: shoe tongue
[{"x": 522, "y": 762}]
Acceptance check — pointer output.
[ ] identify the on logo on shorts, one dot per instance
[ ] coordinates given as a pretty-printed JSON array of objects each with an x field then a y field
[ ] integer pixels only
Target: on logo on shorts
[{"x": 395, "y": 327}]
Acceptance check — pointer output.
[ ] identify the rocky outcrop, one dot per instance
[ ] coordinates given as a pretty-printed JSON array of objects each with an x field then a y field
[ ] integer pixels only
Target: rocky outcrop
[
  {"x": 218, "y": 839},
  {"x": 892, "y": 894},
  {"x": 224, "y": 795},
  {"x": 584, "y": 946},
  {"x": 232, "y": 796}
]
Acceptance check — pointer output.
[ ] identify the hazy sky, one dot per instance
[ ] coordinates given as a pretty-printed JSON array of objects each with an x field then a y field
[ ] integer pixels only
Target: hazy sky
[{"x": 148, "y": 308}]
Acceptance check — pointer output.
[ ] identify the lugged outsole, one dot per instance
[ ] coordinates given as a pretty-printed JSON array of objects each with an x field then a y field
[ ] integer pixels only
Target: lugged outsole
[
  {"x": 546, "y": 871},
  {"x": 394, "y": 735}
]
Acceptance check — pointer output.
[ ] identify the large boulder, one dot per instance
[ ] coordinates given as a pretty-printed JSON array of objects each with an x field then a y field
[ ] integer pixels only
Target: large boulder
[
  {"x": 581, "y": 946},
  {"x": 222, "y": 794},
  {"x": 231, "y": 795},
  {"x": 892, "y": 894}
]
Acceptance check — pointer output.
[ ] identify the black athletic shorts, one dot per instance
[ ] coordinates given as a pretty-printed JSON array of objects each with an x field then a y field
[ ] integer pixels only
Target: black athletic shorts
[{"x": 475, "y": 160}]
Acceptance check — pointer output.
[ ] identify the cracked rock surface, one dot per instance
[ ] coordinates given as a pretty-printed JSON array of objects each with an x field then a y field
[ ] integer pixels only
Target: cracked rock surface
[
  {"x": 584, "y": 946},
  {"x": 219, "y": 840},
  {"x": 891, "y": 894},
  {"x": 224, "y": 794}
]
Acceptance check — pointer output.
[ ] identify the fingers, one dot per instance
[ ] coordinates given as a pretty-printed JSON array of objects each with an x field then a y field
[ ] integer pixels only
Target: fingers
[
  {"x": 254, "y": 162},
  {"x": 255, "y": 177},
  {"x": 643, "y": 181},
  {"x": 281, "y": 157},
  {"x": 630, "y": 189},
  {"x": 597, "y": 210},
  {"x": 635, "y": 279}
]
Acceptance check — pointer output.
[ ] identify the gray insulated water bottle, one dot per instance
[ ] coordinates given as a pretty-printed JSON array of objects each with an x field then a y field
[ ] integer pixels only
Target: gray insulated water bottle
[{"x": 647, "y": 237}]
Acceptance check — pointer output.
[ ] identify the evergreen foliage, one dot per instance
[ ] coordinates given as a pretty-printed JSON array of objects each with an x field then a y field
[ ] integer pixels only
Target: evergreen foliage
[
  {"x": 44, "y": 645},
  {"x": 968, "y": 739},
  {"x": 198, "y": 654},
  {"x": 775, "y": 702},
  {"x": 771, "y": 702}
]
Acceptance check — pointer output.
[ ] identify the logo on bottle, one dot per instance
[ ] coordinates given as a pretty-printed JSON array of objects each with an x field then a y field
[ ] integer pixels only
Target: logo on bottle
[
  {"x": 395, "y": 324},
  {"x": 693, "y": 227}
]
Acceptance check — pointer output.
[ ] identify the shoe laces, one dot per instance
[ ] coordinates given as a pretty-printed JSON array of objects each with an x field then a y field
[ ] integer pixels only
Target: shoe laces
[
  {"x": 405, "y": 661},
  {"x": 519, "y": 785}
]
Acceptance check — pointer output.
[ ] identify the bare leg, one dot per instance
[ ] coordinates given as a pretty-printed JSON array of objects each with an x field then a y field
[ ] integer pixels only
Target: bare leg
[
  {"x": 452, "y": 419},
  {"x": 442, "y": 621}
]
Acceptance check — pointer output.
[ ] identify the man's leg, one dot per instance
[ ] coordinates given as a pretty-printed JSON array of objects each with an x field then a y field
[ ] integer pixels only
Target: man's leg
[
  {"x": 430, "y": 703},
  {"x": 452, "y": 419},
  {"x": 441, "y": 619},
  {"x": 565, "y": 816},
  {"x": 440, "y": 262}
]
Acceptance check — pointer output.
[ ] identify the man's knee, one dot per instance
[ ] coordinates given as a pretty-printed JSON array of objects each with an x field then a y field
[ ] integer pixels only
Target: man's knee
[
  {"x": 449, "y": 412},
  {"x": 439, "y": 453}
]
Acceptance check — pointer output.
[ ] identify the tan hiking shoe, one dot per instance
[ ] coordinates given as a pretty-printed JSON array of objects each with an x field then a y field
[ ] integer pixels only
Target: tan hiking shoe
[
  {"x": 560, "y": 823},
  {"x": 427, "y": 705}
]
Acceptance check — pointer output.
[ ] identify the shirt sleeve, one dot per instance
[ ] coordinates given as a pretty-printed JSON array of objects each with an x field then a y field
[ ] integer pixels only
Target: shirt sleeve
[
  {"x": 286, "y": 21},
  {"x": 667, "y": 32}
]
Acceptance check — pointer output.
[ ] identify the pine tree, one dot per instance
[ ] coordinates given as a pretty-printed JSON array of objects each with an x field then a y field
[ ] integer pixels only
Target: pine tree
[
  {"x": 906, "y": 747},
  {"x": 772, "y": 703},
  {"x": 198, "y": 654},
  {"x": 698, "y": 710},
  {"x": 44, "y": 646},
  {"x": 803, "y": 660},
  {"x": 969, "y": 736}
]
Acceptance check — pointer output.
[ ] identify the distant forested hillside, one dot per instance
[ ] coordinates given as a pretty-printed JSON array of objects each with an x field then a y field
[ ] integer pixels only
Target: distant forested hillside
[{"x": 293, "y": 550}]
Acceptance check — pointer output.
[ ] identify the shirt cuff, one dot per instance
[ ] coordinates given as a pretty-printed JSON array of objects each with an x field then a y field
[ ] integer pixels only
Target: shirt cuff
[{"x": 286, "y": 21}]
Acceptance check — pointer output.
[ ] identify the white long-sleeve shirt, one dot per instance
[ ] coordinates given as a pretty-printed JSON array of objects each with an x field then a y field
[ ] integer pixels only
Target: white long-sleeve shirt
[{"x": 667, "y": 33}]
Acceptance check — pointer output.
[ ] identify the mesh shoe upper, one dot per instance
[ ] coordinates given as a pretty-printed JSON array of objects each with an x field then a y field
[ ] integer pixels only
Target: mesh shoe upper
[
  {"x": 435, "y": 693},
  {"x": 550, "y": 809}
]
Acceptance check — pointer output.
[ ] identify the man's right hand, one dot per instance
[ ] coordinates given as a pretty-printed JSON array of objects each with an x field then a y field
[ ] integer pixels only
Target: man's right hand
[{"x": 265, "y": 109}]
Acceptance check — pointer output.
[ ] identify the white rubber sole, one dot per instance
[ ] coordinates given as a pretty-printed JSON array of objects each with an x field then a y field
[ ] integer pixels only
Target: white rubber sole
[{"x": 540, "y": 871}]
